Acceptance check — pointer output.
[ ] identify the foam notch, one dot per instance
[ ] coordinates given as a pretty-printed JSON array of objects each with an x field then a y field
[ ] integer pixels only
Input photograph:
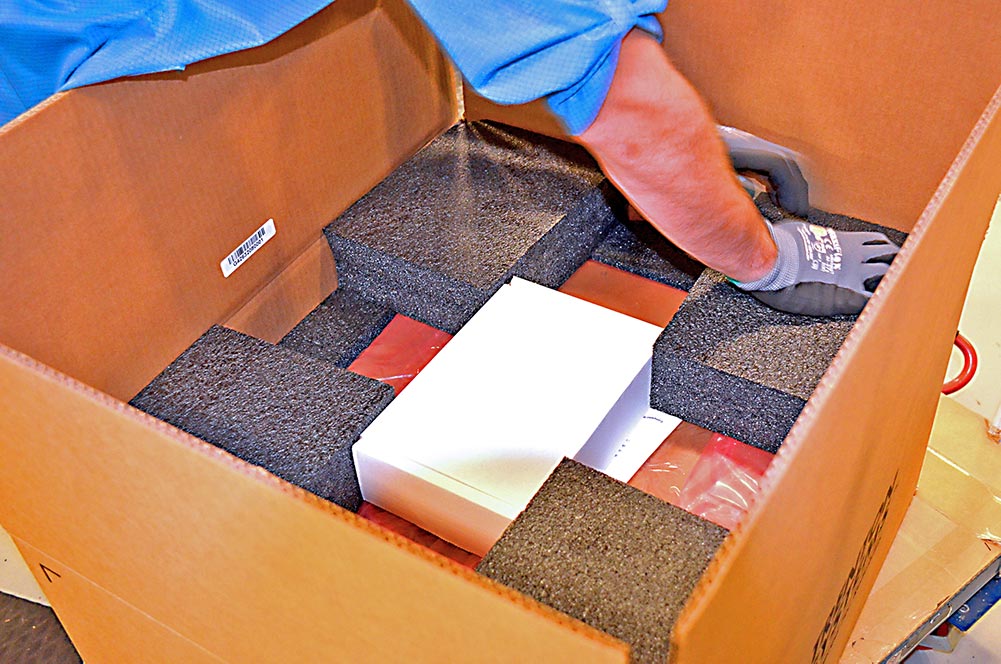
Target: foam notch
[
  {"x": 339, "y": 329},
  {"x": 637, "y": 247}
]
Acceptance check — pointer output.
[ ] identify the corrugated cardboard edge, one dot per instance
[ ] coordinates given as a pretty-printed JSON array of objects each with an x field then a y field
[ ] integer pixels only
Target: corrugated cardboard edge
[
  {"x": 123, "y": 431},
  {"x": 782, "y": 555},
  {"x": 945, "y": 542}
]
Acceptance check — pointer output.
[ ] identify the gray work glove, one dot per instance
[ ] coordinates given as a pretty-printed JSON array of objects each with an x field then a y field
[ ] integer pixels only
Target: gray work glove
[
  {"x": 820, "y": 271},
  {"x": 777, "y": 163}
]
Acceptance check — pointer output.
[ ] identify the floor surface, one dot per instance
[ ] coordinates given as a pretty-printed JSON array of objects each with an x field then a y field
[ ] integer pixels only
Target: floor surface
[{"x": 981, "y": 644}]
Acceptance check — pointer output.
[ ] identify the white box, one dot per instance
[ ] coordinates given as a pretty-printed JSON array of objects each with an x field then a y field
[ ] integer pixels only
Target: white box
[{"x": 534, "y": 376}]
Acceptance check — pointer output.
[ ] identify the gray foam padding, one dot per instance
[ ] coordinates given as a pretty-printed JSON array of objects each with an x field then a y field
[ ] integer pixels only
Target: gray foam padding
[
  {"x": 635, "y": 246},
  {"x": 476, "y": 206},
  {"x": 339, "y": 329},
  {"x": 294, "y": 416},
  {"x": 607, "y": 554},
  {"x": 730, "y": 364}
]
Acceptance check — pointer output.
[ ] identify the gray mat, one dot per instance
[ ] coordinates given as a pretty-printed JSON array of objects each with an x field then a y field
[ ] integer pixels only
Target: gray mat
[
  {"x": 295, "y": 416},
  {"x": 31, "y": 633},
  {"x": 478, "y": 205},
  {"x": 730, "y": 364},
  {"x": 607, "y": 554},
  {"x": 339, "y": 329}
]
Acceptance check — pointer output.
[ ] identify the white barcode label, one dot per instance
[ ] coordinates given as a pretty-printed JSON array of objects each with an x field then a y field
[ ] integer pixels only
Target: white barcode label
[{"x": 248, "y": 247}]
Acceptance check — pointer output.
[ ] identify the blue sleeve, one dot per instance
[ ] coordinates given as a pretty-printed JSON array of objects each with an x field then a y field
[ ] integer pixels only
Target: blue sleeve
[
  {"x": 50, "y": 46},
  {"x": 514, "y": 51}
]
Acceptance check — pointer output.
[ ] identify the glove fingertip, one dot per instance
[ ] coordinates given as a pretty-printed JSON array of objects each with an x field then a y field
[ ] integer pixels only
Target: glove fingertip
[
  {"x": 872, "y": 283},
  {"x": 884, "y": 259},
  {"x": 814, "y": 299}
]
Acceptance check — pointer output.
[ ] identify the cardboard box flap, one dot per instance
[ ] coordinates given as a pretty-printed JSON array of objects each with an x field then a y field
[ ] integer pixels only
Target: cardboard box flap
[
  {"x": 944, "y": 544},
  {"x": 231, "y": 558},
  {"x": 123, "y": 199},
  {"x": 112, "y": 259},
  {"x": 842, "y": 481},
  {"x": 878, "y": 99},
  {"x": 878, "y": 96}
]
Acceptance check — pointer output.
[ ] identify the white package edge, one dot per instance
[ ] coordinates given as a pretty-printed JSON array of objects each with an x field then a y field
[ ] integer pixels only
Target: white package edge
[{"x": 433, "y": 499}]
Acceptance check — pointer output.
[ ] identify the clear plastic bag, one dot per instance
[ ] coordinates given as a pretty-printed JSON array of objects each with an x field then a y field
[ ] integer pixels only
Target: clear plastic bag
[{"x": 705, "y": 473}]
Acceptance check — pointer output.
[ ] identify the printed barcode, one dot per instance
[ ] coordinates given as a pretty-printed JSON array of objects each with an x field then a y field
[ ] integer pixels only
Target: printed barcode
[{"x": 248, "y": 247}]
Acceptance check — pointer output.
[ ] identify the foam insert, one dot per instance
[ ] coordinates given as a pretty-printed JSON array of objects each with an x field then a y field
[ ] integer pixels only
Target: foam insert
[
  {"x": 293, "y": 415},
  {"x": 476, "y": 206},
  {"x": 607, "y": 554},
  {"x": 635, "y": 246},
  {"x": 735, "y": 366},
  {"x": 339, "y": 329}
]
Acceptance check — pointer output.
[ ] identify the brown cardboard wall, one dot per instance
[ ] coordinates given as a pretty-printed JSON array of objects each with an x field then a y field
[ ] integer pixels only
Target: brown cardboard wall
[
  {"x": 104, "y": 628},
  {"x": 878, "y": 97},
  {"x": 290, "y": 296},
  {"x": 120, "y": 200},
  {"x": 845, "y": 475},
  {"x": 228, "y": 557}
]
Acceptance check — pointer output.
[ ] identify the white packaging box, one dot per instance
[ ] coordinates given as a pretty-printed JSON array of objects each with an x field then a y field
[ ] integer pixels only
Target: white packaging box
[{"x": 533, "y": 377}]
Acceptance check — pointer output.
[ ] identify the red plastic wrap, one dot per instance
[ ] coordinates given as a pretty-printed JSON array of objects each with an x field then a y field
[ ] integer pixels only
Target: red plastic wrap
[
  {"x": 665, "y": 473},
  {"x": 624, "y": 292},
  {"x": 724, "y": 481},
  {"x": 399, "y": 353}
]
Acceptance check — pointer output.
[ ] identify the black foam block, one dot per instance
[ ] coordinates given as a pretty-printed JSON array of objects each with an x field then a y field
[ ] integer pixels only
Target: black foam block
[
  {"x": 294, "y": 416},
  {"x": 635, "y": 246},
  {"x": 339, "y": 329},
  {"x": 730, "y": 364},
  {"x": 478, "y": 205},
  {"x": 607, "y": 554}
]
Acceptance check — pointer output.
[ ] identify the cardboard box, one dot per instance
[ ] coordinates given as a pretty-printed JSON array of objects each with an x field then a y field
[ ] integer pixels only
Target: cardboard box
[
  {"x": 948, "y": 546},
  {"x": 120, "y": 201}
]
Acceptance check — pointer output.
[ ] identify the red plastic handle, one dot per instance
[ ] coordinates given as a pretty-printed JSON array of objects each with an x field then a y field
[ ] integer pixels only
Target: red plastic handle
[{"x": 969, "y": 366}]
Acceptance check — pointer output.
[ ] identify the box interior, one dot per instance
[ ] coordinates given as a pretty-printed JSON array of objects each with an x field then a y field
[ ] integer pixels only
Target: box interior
[
  {"x": 124, "y": 197},
  {"x": 161, "y": 177}
]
